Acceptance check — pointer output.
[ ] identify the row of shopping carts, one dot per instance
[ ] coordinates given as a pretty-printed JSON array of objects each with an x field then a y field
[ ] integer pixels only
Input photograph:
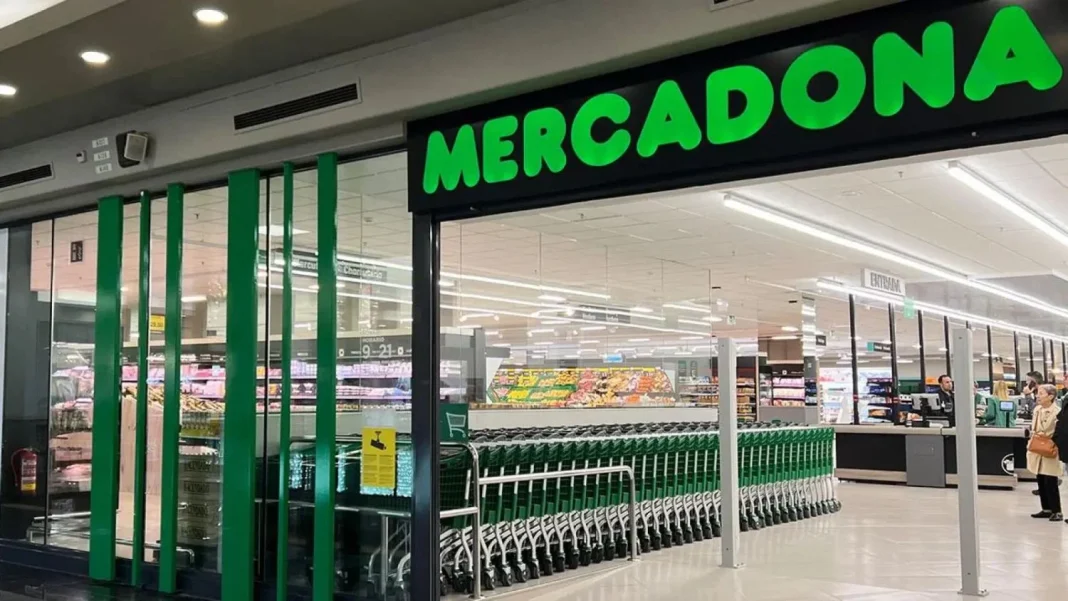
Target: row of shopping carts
[{"x": 548, "y": 524}]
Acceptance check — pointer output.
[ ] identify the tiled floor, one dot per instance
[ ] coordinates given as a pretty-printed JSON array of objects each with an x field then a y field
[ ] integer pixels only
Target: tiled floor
[{"x": 888, "y": 544}]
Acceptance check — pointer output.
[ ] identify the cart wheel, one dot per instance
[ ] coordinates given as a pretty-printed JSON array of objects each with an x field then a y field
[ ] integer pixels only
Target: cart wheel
[
  {"x": 597, "y": 554},
  {"x": 687, "y": 535},
  {"x": 545, "y": 564},
  {"x": 584, "y": 558},
  {"x": 519, "y": 570},
  {"x": 489, "y": 580},
  {"x": 654, "y": 541},
  {"x": 571, "y": 558},
  {"x": 532, "y": 570},
  {"x": 743, "y": 524},
  {"x": 609, "y": 551}
]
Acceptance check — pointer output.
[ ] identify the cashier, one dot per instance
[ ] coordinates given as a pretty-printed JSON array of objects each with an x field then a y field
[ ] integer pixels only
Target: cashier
[{"x": 945, "y": 397}]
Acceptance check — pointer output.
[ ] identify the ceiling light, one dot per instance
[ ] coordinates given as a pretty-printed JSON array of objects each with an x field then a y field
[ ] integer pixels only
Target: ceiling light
[
  {"x": 904, "y": 360},
  {"x": 693, "y": 322},
  {"x": 692, "y": 338},
  {"x": 937, "y": 310},
  {"x": 542, "y": 331},
  {"x": 641, "y": 309},
  {"x": 95, "y": 57},
  {"x": 502, "y": 344},
  {"x": 1042, "y": 223},
  {"x": 626, "y": 350},
  {"x": 276, "y": 230},
  {"x": 784, "y": 337},
  {"x": 587, "y": 350},
  {"x": 593, "y": 328},
  {"x": 493, "y": 333},
  {"x": 8, "y": 90},
  {"x": 467, "y": 316},
  {"x": 714, "y": 319},
  {"x": 446, "y": 283},
  {"x": 555, "y": 322},
  {"x": 589, "y": 342},
  {"x": 917, "y": 346},
  {"x": 552, "y": 298},
  {"x": 544, "y": 343},
  {"x": 638, "y": 340},
  {"x": 196, "y": 298},
  {"x": 686, "y": 308},
  {"x": 210, "y": 16},
  {"x": 571, "y": 356},
  {"x": 943, "y": 349},
  {"x": 789, "y": 329},
  {"x": 683, "y": 354},
  {"x": 798, "y": 224}
]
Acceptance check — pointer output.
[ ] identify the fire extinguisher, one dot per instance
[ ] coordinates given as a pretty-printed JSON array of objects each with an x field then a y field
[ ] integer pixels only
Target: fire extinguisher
[{"x": 24, "y": 463}]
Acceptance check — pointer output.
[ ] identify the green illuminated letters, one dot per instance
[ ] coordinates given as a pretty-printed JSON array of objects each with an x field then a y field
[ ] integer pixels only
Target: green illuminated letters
[
  {"x": 669, "y": 121},
  {"x": 444, "y": 166},
  {"x": 544, "y": 131},
  {"x": 930, "y": 73},
  {"x": 1012, "y": 52},
  {"x": 759, "y": 94},
  {"x": 902, "y": 68},
  {"x": 496, "y": 166},
  {"x": 609, "y": 106},
  {"x": 839, "y": 61}
]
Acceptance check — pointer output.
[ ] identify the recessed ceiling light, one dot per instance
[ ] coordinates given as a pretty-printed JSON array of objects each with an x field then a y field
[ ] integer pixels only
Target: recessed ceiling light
[
  {"x": 789, "y": 329},
  {"x": 95, "y": 57},
  {"x": 211, "y": 16},
  {"x": 641, "y": 309},
  {"x": 8, "y": 90},
  {"x": 552, "y": 298}
]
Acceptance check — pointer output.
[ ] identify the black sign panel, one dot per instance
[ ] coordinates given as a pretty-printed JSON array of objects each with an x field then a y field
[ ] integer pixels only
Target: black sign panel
[
  {"x": 821, "y": 340},
  {"x": 589, "y": 313},
  {"x": 77, "y": 251},
  {"x": 912, "y": 77}
]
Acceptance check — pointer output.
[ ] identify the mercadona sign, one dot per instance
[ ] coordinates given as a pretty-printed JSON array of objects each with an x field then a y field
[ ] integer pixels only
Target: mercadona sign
[{"x": 707, "y": 115}]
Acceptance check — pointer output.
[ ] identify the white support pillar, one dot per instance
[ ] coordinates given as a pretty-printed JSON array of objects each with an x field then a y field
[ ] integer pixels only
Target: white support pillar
[
  {"x": 967, "y": 469},
  {"x": 728, "y": 451}
]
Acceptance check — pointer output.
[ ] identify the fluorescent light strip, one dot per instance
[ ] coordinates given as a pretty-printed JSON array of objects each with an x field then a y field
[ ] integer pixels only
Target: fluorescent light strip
[
  {"x": 686, "y": 308},
  {"x": 798, "y": 224},
  {"x": 938, "y": 310},
  {"x": 1045, "y": 224}
]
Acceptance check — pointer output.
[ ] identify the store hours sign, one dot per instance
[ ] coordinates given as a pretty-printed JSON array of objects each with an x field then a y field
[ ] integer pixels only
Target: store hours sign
[{"x": 904, "y": 72}]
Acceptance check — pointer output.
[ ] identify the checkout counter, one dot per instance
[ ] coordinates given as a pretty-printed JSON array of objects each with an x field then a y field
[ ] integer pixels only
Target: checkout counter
[{"x": 927, "y": 456}]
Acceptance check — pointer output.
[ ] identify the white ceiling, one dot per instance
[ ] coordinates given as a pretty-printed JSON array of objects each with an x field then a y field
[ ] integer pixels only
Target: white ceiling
[{"x": 676, "y": 247}]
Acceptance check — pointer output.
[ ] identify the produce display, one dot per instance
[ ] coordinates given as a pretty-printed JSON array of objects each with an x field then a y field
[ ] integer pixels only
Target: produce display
[{"x": 581, "y": 387}]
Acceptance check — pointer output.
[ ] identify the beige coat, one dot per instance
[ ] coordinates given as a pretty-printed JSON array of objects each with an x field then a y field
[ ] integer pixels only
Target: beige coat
[{"x": 1044, "y": 422}]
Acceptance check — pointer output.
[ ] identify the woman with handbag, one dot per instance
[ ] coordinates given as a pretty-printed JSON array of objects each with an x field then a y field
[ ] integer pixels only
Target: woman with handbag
[{"x": 1043, "y": 457}]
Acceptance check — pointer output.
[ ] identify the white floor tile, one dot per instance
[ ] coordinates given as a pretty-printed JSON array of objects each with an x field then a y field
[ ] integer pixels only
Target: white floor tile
[{"x": 889, "y": 543}]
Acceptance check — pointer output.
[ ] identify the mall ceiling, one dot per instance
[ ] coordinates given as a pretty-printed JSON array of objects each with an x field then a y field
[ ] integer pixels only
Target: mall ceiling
[{"x": 159, "y": 52}]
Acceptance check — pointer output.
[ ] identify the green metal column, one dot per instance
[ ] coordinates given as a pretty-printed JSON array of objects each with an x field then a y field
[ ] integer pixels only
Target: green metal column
[
  {"x": 141, "y": 427},
  {"x": 103, "y": 502},
  {"x": 172, "y": 409},
  {"x": 326, "y": 383},
  {"x": 282, "y": 571},
  {"x": 239, "y": 420}
]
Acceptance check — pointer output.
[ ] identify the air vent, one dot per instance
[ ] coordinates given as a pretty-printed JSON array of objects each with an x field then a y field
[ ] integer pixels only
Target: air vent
[
  {"x": 300, "y": 106},
  {"x": 26, "y": 176}
]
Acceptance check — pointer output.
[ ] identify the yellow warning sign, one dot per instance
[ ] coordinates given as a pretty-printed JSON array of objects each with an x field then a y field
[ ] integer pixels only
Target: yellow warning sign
[{"x": 378, "y": 465}]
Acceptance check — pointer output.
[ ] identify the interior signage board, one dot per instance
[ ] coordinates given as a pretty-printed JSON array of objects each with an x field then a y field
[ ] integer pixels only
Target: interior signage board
[
  {"x": 884, "y": 282},
  {"x": 910, "y": 77},
  {"x": 880, "y": 347}
]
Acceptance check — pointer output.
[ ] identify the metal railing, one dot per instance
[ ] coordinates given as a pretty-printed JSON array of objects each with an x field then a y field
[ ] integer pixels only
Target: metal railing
[{"x": 475, "y": 511}]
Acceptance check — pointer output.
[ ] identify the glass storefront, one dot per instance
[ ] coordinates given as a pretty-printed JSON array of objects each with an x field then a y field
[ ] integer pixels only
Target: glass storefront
[{"x": 51, "y": 296}]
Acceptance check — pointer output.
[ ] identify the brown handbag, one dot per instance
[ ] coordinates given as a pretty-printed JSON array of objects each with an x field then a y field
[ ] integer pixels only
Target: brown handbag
[{"x": 1043, "y": 446}]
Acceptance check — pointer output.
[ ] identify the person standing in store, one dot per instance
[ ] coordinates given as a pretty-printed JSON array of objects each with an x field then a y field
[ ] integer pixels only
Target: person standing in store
[
  {"x": 945, "y": 398},
  {"x": 1046, "y": 469}
]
